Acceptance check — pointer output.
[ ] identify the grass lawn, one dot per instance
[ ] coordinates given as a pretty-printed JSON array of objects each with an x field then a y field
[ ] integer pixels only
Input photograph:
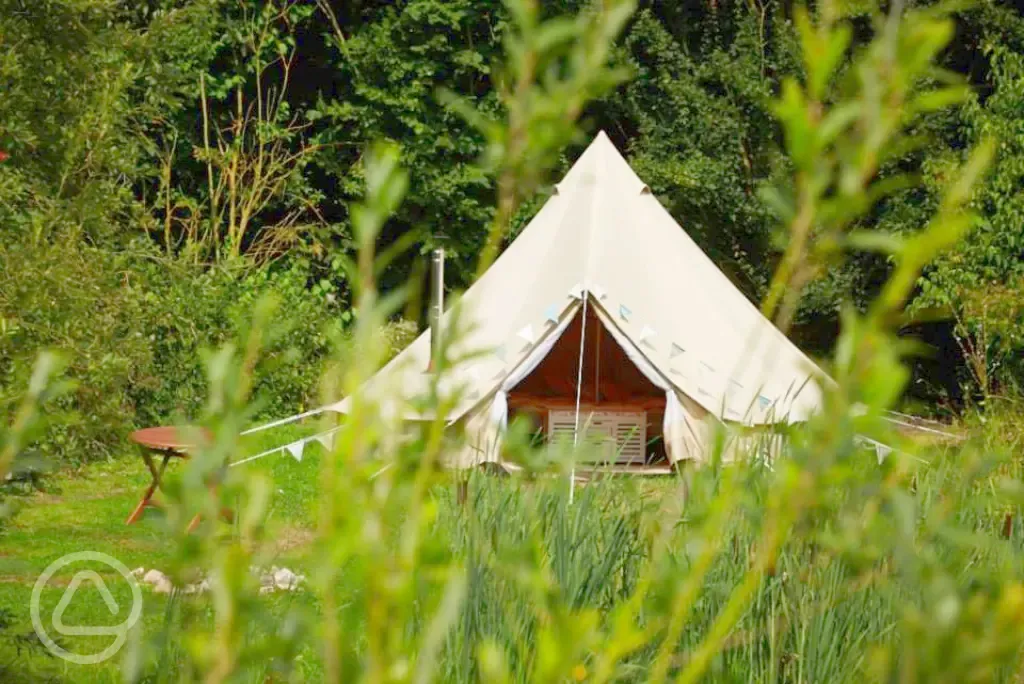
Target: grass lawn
[
  {"x": 85, "y": 510},
  {"x": 812, "y": 618}
]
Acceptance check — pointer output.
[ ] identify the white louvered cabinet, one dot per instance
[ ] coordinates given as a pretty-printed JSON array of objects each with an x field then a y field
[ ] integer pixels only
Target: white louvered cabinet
[{"x": 620, "y": 436}]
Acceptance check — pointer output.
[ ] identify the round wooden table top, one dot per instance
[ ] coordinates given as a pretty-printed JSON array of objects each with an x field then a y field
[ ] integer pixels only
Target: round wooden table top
[{"x": 171, "y": 438}]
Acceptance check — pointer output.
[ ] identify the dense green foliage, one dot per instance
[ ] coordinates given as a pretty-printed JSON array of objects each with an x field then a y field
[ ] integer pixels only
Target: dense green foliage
[
  {"x": 162, "y": 162},
  {"x": 825, "y": 563}
]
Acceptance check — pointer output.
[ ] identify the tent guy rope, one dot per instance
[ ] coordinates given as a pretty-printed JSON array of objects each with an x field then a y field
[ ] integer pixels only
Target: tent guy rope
[{"x": 285, "y": 421}]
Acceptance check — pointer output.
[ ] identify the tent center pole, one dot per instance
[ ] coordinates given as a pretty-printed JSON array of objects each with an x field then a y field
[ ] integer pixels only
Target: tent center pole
[{"x": 579, "y": 389}]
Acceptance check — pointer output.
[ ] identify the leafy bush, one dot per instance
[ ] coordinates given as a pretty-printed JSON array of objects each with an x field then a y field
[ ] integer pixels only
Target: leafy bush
[
  {"x": 80, "y": 301},
  {"x": 825, "y": 565},
  {"x": 133, "y": 324}
]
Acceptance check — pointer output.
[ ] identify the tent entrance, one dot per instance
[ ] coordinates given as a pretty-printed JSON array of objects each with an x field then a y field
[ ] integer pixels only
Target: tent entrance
[
  {"x": 620, "y": 409},
  {"x": 618, "y": 437}
]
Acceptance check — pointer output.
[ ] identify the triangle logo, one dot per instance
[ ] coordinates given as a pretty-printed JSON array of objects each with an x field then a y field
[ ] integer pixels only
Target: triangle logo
[{"x": 90, "y": 630}]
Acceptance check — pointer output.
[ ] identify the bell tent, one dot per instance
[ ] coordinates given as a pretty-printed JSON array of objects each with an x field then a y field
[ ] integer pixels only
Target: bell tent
[{"x": 603, "y": 320}]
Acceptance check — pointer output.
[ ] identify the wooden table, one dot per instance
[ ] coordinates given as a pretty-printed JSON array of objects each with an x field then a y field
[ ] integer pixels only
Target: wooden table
[{"x": 166, "y": 443}]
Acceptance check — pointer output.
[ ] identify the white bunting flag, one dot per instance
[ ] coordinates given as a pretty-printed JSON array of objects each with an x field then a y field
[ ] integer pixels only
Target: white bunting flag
[
  {"x": 326, "y": 440},
  {"x": 527, "y": 334},
  {"x": 551, "y": 314},
  {"x": 576, "y": 291},
  {"x": 598, "y": 292},
  {"x": 647, "y": 333},
  {"x": 675, "y": 351},
  {"x": 624, "y": 312},
  {"x": 296, "y": 449}
]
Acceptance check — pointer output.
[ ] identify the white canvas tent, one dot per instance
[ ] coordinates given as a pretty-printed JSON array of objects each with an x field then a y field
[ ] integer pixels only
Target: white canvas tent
[{"x": 604, "y": 244}]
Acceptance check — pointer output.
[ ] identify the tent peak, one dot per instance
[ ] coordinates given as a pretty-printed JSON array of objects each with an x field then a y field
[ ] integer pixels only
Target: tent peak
[
  {"x": 603, "y": 140},
  {"x": 603, "y": 165}
]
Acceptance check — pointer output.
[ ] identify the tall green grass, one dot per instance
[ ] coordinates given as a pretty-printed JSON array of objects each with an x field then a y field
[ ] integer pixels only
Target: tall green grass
[
  {"x": 816, "y": 617},
  {"x": 821, "y": 565}
]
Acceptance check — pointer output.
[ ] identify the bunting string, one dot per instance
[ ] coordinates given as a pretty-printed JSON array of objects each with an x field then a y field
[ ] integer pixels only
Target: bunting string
[
  {"x": 294, "y": 448},
  {"x": 284, "y": 421}
]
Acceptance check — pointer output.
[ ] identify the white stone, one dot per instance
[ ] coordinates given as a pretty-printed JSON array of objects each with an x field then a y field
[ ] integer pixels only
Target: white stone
[
  {"x": 138, "y": 573},
  {"x": 154, "y": 576}
]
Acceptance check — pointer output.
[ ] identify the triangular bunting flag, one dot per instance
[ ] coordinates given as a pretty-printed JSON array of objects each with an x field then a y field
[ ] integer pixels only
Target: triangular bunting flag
[
  {"x": 296, "y": 449},
  {"x": 527, "y": 334},
  {"x": 598, "y": 292},
  {"x": 763, "y": 401},
  {"x": 646, "y": 334},
  {"x": 576, "y": 291},
  {"x": 624, "y": 312},
  {"x": 551, "y": 314},
  {"x": 881, "y": 451},
  {"x": 326, "y": 441},
  {"x": 675, "y": 351}
]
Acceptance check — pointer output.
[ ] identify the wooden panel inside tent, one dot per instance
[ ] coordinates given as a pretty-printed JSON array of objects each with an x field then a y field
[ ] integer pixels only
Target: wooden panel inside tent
[{"x": 610, "y": 382}]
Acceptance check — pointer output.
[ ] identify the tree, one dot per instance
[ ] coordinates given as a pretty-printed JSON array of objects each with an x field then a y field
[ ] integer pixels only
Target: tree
[{"x": 981, "y": 284}]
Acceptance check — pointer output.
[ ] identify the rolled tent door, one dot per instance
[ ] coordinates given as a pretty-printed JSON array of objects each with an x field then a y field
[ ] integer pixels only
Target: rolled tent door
[{"x": 485, "y": 426}]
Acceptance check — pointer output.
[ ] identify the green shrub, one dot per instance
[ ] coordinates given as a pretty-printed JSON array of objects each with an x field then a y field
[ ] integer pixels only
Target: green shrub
[
  {"x": 133, "y": 324},
  {"x": 80, "y": 301}
]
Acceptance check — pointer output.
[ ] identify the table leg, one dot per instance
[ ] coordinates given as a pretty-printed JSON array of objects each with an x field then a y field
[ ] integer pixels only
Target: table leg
[
  {"x": 148, "y": 496},
  {"x": 226, "y": 513},
  {"x": 143, "y": 502}
]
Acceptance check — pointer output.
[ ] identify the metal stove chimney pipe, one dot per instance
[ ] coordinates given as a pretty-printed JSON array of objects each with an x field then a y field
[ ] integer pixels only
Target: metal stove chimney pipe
[{"x": 436, "y": 306}]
